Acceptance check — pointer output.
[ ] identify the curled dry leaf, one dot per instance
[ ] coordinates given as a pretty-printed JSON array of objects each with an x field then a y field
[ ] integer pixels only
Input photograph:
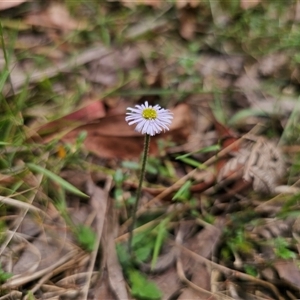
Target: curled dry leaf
[
  {"x": 260, "y": 162},
  {"x": 273, "y": 228}
]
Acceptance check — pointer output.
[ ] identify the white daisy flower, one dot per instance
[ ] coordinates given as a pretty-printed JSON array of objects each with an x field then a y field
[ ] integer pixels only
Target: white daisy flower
[{"x": 149, "y": 119}]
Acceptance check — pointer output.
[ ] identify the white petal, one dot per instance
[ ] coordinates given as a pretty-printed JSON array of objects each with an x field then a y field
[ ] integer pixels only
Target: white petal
[{"x": 146, "y": 126}]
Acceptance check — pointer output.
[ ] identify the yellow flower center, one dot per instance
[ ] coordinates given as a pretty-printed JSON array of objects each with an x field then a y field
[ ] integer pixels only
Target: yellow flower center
[{"x": 149, "y": 114}]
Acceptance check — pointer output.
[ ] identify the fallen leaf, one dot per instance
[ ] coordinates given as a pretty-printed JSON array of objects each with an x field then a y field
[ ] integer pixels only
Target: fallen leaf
[
  {"x": 9, "y": 4},
  {"x": 203, "y": 244},
  {"x": 188, "y": 23},
  {"x": 112, "y": 137},
  {"x": 246, "y": 4},
  {"x": 288, "y": 271},
  {"x": 54, "y": 16},
  {"x": 184, "y": 3},
  {"x": 219, "y": 70},
  {"x": 260, "y": 162},
  {"x": 105, "y": 70},
  {"x": 153, "y": 3},
  {"x": 275, "y": 64},
  {"x": 249, "y": 84},
  {"x": 168, "y": 282},
  {"x": 102, "y": 289},
  {"x": 86, "y": 114}
]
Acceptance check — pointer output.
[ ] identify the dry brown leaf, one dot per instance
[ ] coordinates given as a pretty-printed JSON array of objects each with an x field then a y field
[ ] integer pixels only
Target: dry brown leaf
[
  {"x": 274, "y": 228},
  {"x": 102, "y": 289},
  {"x": 219, "y": 70},
  {"x": 105, "y": 70},
  {"x": 202, "y": 281},
  {"x": 55, "y": 16},
  {"x": 188, "y": 23},
  {"x": 168, "y": 283},
  {"x": 259, "y": 162},
  {"x": 288, "y": 271},
  {"x": 184, "y": 3},
  {"x": 153, "y": 3},
  {"x": 203, "y": 244},
  {"x": 246, "y": 4},
  {"x": 29, "y": 260},
  {"x": 86, "y": 114},
  {"x": 273, "y": 65},
  {"x": 249, "y": 84},
  {"x": 111, "y": 137},
  {"x": 10, "y": 3}
]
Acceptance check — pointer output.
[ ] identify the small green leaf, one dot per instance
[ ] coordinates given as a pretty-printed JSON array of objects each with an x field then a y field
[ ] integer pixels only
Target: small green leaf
[
  {"x": 143, "y": 253},
  {"x": 66, "y": 185},
  {"x": 241, "y": 115},
  {"x": 251, "y": 270},
  {"x": 30, "y": 296},
  {"x": 192, "y": 162},
  {"x": 119, "y": 176},
  {"x": 142, "y": 288},
  {"x": 130, "y": 165},
  {"x": 86, "y": 237},
  {"x": 81, "y": 137},
  {"x": 184, "y": 192},
  {"x": 282, "y": 250},
  {"x": 151, "y": 169},
  {"x": 4, "y": 275},
  {"x": 162, "y": 233},
  {"x": 124, "y": 257},
  {"x": 207, "y": 149}
]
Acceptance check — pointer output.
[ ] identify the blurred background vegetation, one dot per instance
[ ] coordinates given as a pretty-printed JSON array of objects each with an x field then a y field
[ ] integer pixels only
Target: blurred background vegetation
[{"x": 68, "y": 71}]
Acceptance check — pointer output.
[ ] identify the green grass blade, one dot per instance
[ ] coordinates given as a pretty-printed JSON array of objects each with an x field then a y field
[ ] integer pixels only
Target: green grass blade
[
  {"x": 162, "y": 231},
  {"x": 203, "y": 150},
  {"x": 66, "y": 185}
]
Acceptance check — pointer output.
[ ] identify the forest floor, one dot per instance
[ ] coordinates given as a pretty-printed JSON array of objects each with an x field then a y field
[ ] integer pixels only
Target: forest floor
[{"x": 219, "y": 212}]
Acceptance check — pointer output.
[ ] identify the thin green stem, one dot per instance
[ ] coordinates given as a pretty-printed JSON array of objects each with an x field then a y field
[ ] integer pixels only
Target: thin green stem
[{"x": 139, "y": 190}]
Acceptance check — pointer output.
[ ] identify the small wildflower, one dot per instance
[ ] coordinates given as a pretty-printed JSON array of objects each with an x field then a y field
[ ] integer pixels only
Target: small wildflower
[{"x": 149, "y": 119}]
